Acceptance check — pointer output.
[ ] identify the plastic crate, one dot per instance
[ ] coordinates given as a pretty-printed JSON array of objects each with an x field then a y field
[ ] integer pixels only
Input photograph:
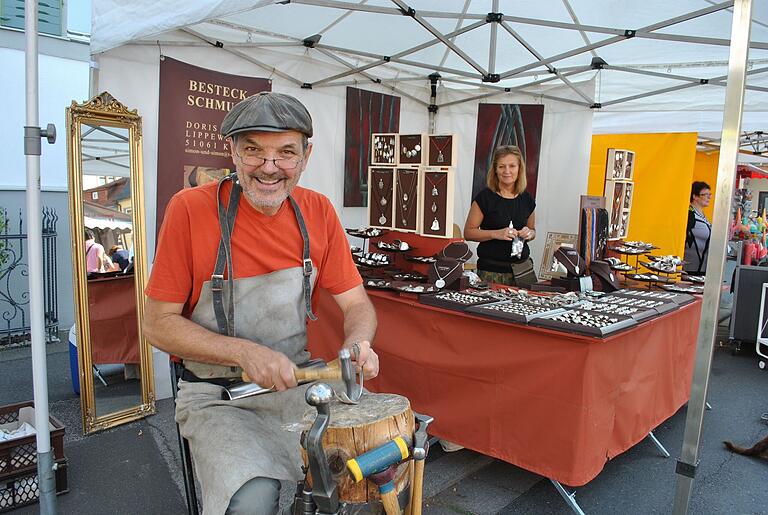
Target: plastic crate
[
  {"x": 23, "y": 489},
  {"x": 18, "y": 461}
]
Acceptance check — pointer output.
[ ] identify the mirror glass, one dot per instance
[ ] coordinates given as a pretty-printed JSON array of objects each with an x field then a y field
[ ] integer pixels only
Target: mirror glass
[{"x": 106, "y": 217}]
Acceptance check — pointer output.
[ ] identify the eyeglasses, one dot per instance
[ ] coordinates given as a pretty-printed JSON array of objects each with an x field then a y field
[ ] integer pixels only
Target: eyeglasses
[
  {"x": 705, "y": 194},
  {"x": 253, "y": 159}
]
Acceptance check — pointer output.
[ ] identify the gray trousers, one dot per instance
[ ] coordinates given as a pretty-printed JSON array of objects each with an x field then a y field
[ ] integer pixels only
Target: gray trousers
[{"x": 259, "y": 496}]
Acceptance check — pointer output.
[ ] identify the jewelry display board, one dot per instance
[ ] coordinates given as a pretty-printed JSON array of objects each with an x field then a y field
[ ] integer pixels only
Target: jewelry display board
[
  {"x": 411, "y": 150},
  {"x": 441, "y": 150},
  {"x": 384, "y": 148},
  {"x": 511, "y": 311},
  {"x": 437, "y": 202},
  {"x": 381, "y": 197},
  {"x": 455, "y": 300},
  {"x": 660, "y": 306},
  {"x": 677, "y": 298},
  {"x": 585, "y": 322},
  {"x": 620, "y": 165},
  {"x": 619, "y": 196},
  {"x": 407, "y": 199},
  {"x": 607, "y": 307}
]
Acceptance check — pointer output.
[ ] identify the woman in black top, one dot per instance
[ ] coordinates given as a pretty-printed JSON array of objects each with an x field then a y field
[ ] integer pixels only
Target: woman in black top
[{"x": 500, "y": 213}]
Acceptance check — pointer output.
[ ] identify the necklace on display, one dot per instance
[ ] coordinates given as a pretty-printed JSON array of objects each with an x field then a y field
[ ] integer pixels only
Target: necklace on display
[
  {"x": 407, "y": 204},
  {"x": 382, "y": 199},
  {"x": 440, "y": 283},
  {"x": 435, "y": 193},
  {"x": 411, "y": 152},
  {"x": 440, "y": 148}
]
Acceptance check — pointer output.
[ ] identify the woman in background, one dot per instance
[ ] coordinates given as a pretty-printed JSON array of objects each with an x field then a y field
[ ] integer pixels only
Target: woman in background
[
  {"x": 698, "y": 231},
  {"x": 500, "y": 214}
]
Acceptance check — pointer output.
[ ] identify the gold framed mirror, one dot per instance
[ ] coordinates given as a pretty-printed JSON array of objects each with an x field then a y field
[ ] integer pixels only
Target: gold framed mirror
[{"x": 106, "y": 211}]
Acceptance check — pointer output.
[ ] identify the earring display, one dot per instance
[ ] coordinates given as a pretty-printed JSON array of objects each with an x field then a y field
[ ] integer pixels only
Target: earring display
[
  {"x": 406, "y": 193},
  {"x": 441, "y": 150},
  {"x": 619, "y": 165},
  {"x": 411, "y": 149},
  {"x": 511, "y": 311},
  {"x": 585, "y": 322},
  {"x": 457, "y": 301},
  {"x": 381, "y": 205},
  {"x": 383, "y": 149}
]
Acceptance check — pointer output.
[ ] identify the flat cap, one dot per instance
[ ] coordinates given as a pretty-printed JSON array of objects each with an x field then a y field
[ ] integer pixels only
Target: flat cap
[{"x": 268, "y": 111}]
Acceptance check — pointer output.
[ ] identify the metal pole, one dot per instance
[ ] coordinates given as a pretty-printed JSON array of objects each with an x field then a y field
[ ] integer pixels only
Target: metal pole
[
  {"x": 32, "y": 134},
  {"x": 432, "y": 108},
  {"x": 726, "y": 174}
]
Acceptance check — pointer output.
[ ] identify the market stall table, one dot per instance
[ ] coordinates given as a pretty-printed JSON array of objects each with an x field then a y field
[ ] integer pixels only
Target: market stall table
[{"x": 557, "y": 404}]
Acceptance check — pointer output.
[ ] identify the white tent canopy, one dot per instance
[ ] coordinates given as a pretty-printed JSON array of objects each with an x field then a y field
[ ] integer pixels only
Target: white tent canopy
[{"x": 654, "y": 57}]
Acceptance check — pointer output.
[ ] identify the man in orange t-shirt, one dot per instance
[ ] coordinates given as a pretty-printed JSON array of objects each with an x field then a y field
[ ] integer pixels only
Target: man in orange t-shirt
[{"x": 230, "y": 292}]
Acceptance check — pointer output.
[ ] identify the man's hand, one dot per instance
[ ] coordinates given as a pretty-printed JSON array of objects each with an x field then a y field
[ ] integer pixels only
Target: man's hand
[
  {"x": 266, "y": 367},
  {"x": 364, "y": 358},
  {"x": 526, "y": 233}
]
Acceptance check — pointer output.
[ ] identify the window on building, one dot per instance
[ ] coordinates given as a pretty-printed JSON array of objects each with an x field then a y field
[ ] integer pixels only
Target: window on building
[
  {"x": 50, "y": 15},
  {"x": 95, "y": 195}
]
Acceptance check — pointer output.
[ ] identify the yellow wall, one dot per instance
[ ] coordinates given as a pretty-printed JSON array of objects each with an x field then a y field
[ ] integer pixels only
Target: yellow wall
[
  {"x": 705, "y": 169},
  {"x": 664, "y": 165}
]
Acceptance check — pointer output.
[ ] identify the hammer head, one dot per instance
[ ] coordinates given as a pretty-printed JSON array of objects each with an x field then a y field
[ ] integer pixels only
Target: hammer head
[
  {"x": 420, "y": 437},
  {"x": 353, "y": 389}
]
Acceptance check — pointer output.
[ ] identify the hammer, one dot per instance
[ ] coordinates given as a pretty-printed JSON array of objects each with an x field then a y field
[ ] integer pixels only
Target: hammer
[
  {"x": 379, "y": 465},
  {"x": 420, "y": 450},
  {"x": 341, "y": 368}
]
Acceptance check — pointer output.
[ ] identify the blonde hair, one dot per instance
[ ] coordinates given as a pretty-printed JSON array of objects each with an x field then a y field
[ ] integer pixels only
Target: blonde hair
[{"x": 493, "y": 180}]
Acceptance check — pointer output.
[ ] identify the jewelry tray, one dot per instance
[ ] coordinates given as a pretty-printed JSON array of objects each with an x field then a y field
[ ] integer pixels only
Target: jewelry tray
[
  {"x": 622, "y": 322},
  {"x": 607, "y": 307},
  {"x": 445, "y": 300},
  {"x": 428, "y": 260},
  {"x": 679, "y": 299},
  {"x": 683, "y": 288},
  {"x": 496, "y": 311},
  {"x": 658, "y": 305},
  {"x": 364, "y": 234}
]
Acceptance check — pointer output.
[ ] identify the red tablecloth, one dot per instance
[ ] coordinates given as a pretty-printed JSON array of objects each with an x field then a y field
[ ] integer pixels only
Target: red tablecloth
[
  {"x": 113, "y": 322},
  {"x": 556, "y": 404}
]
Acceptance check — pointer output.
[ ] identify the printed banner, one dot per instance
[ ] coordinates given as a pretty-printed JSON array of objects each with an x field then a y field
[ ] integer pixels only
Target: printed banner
[
  {"x": 508, "y": 124},
  {"x": 193, "y": 102},
  {"x": 367, "y": 113}
]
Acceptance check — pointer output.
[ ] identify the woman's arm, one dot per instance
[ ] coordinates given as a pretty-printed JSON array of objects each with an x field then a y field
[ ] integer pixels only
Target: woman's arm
[
  {"x": 473, "y": 232},
  {"x": 529, "y": 231}
]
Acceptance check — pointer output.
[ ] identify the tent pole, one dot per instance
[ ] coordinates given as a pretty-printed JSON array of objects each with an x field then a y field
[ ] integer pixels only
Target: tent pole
[
  {"x": 32, "y": 151},
  {"x": 726, "y": 174},
  {"x": 432, "y": 108}
]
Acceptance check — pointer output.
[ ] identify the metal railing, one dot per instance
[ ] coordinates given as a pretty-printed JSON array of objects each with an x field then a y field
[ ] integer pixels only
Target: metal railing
[{"x": 14, "y": 286}]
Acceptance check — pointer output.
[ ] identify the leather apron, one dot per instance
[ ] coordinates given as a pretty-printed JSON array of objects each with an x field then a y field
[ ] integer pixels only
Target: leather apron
[{"x": 234, "y": 441}]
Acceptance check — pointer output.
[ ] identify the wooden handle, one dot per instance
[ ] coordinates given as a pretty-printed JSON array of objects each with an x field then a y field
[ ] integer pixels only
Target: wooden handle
[
  {"x": 389, "y": 500},
  {"x": 417, "y": 487},
  {"x": 313, "y": 374},
  {"x": 331, "y": 371},
  {"x": 410, "y": 482}
]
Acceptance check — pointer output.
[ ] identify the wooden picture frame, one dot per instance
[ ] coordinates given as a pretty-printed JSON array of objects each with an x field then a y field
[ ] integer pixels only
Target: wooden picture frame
[{"x": 554, "y": 241}]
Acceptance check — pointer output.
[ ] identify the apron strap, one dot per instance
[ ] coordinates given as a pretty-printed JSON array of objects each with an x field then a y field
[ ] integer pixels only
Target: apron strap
[
  {"x": 305, "y": 260},
  {"x": 225, "y": 321}
]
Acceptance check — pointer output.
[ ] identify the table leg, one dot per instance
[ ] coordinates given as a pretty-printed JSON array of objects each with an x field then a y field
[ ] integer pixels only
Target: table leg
[
  {"x": 658, "y": 445},
  {"x": 568, "y": 497}
]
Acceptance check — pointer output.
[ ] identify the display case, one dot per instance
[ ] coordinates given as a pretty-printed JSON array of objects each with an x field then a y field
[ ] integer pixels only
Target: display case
[
  {"x": 381, "y": 206},
  {"x": 436, "y": 202},
  {"x": 406, "y": 200},
  {"x": 411, "y": 150},
  {"x": 619, "y": 205},
  {"x": 585, "y": 322},
  {"x": 441, "y": 150},
  {"x": 513, "y": 311},
  {"x": 620, "y": 165},
  {"x": 384, "y": 148}
]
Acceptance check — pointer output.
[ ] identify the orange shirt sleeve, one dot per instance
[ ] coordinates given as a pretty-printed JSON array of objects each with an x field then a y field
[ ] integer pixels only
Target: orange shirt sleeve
[
  {"x": 172, "y": 277},
  {"x": 338, "y": 272}
]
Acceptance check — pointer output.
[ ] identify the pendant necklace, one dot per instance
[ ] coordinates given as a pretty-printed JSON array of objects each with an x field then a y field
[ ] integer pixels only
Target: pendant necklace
[
  {"x": 382, "y": 200},
  {"x": 439, "y": 147},
  {"x": 440, "y": 283},
  {"x": 435, "y": 193},
  {"x": 413, "y": 152},
  {"x": 407, "y": 200}
]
